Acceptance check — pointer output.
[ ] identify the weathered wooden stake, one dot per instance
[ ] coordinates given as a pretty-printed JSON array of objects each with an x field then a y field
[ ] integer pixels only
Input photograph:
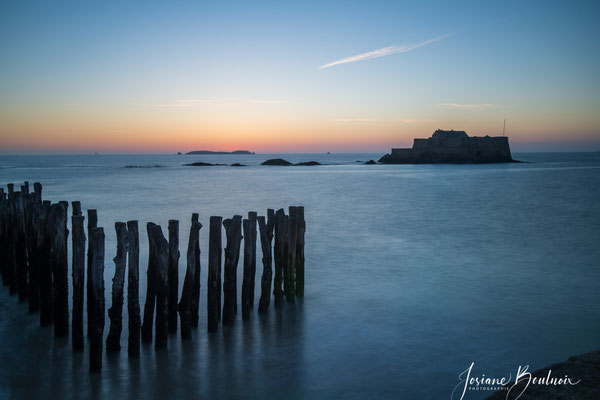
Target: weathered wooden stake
[
  {"x": 151, "y": 290},
  {"x": 30, "y": 244},
  {"x": 249, "y": 264},
  {"x": 96, "y": 298},
  {"x": 290, "y": 271},
  {"x": 161, "y": 254},
  {"x": 92, "y": 223},
  {"x": 77, "y": 221},
  {"x": 213, "y": 302},
  {"x": 60, "y": 268},
  {"x": 44, "y": 265},
  {"x": 186, "y": 303},
  {"x": 133, "y": 279},
  {"x": 115, "y": 312},
  {"x": 233, "y": 232},
  {"x": 280, "y": 234},
  {"x": 300, "y": 252},
  {"x": 4, "y": 226},
  {"x": 195, "y": 302},
  {"x": 266, "y": 236},
  {"x": 173, "y": 275},
  {"x": 20, "y": 244},
  {"x": 34, "y": 211}
]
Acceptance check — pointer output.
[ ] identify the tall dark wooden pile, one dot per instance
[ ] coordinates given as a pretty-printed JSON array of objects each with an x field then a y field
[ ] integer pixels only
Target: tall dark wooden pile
[
  {"x": 77, "y": 221},
  {"x": 213, "y": 301},
  {"x": 266, "y": 237},
  {"x": 191, "y": 276},
  {"x": 96, "y": 298},
  {"x": 233, "y": 231},
  {"x": 115, "y": 312},
  {"x": 133, "y": 288},
  {"x": 173, "y": 274}
]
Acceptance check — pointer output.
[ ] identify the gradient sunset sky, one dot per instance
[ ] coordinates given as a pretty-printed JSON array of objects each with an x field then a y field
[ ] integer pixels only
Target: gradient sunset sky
[{"x": 339, "y": 76}]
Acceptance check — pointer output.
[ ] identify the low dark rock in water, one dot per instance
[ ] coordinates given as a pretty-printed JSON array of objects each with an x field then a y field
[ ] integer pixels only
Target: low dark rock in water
[
  {"x": 238, "y": 165},
  {"x": 309, "y": 163},
  {"x": 143, "y": 166},
  {"x": 371, "y": 162},
  {"x": 199, "y": 164},
  {"x": 584, "y": 368},
  {"x": 179, "y": 153},
  {"x": 277, "y": 161}
]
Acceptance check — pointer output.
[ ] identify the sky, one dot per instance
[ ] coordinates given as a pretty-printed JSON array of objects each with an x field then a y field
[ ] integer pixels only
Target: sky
[{"x": 303, "y": 76}]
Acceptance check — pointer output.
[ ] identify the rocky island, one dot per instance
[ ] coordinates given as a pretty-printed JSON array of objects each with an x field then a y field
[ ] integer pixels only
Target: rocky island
[{"x": 452, "y": 147}]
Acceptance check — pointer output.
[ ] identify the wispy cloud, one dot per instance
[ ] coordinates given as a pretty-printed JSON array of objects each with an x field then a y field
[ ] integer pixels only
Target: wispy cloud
[
  {"x": 386, "y": 51},
  {"x": 469, "y": 106}
]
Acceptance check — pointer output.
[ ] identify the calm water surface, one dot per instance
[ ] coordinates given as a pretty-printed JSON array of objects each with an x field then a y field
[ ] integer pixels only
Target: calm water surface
[{"x": 412, "y": 273}]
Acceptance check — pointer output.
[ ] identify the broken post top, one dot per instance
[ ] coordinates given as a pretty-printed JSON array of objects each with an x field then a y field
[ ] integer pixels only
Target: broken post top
[
  {"x": 92, "y": 218},
  {"x": 76, "y": 207}
]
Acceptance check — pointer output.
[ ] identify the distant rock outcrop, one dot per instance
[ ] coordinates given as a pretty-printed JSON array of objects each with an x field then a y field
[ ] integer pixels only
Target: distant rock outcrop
[
  {"x": 308, "y": 163},
  {"x": 238, "y": 165},
  {"x": 452, "y": 147},
  {"x": 205, "y": 152},
  {"x": 277, "y": 161},
  {"x": 371, "y": 162},
  {"x": 202, "y": 164}
]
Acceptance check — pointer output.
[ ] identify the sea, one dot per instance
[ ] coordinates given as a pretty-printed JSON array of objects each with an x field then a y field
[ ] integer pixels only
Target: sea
[{"x": 414, "y": 274}]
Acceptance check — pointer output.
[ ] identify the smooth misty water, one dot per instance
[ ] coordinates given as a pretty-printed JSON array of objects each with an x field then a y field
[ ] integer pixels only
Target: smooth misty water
[{"x": 413, "y": 272}]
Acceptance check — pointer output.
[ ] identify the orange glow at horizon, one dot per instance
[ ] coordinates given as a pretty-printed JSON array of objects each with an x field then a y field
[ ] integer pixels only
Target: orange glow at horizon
[{"x": 263, "y": 130}]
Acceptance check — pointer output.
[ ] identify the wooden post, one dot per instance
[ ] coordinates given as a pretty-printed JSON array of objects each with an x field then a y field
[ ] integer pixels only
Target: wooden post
[
  {"x": 115, "y": 312},
  {"x": 300, "y": 252},
  {"x": 20, "y": 245},
  {"x": 59, "y": 266},
  {"x": 96, "y": 298},
  {"x": 173, "y": 274},
  {"x": 249, "y": 265},
  {"x": 280, "y": 233},
  {"x": 29, "y": 206},
  {"x": 150, "y": 291},
  {"x": 133, "y": 279},
  {"x": 4, "y": 226},
  {"x": 213, "y": 302},
  {"x": 35, "y": 212},
  {"x": 290, "y": 271},
  {"x": 185, "y": 304},
  {"x": 78, "y": 262},
  {"x": 161, "y": 254},
  {"x": 195, "y": 301},
  {"x": 266, "y": 237},
  {"x": 233, "y": 232},
  {"x": 92, "y": 223},
  {"x": 44, "y": 265},
  {"x": 248, "y": 278}
]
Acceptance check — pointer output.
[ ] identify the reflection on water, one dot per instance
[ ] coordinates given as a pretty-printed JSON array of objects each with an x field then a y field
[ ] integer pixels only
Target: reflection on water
[{"x": 413, "y": 272}]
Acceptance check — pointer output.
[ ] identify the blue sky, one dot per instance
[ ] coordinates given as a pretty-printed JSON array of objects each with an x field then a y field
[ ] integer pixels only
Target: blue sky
[{"x": 227, "y": 73}]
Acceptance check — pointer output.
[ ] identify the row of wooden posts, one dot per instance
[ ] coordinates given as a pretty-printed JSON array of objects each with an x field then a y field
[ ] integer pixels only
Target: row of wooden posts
[{"x": 34, "y": 265}]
